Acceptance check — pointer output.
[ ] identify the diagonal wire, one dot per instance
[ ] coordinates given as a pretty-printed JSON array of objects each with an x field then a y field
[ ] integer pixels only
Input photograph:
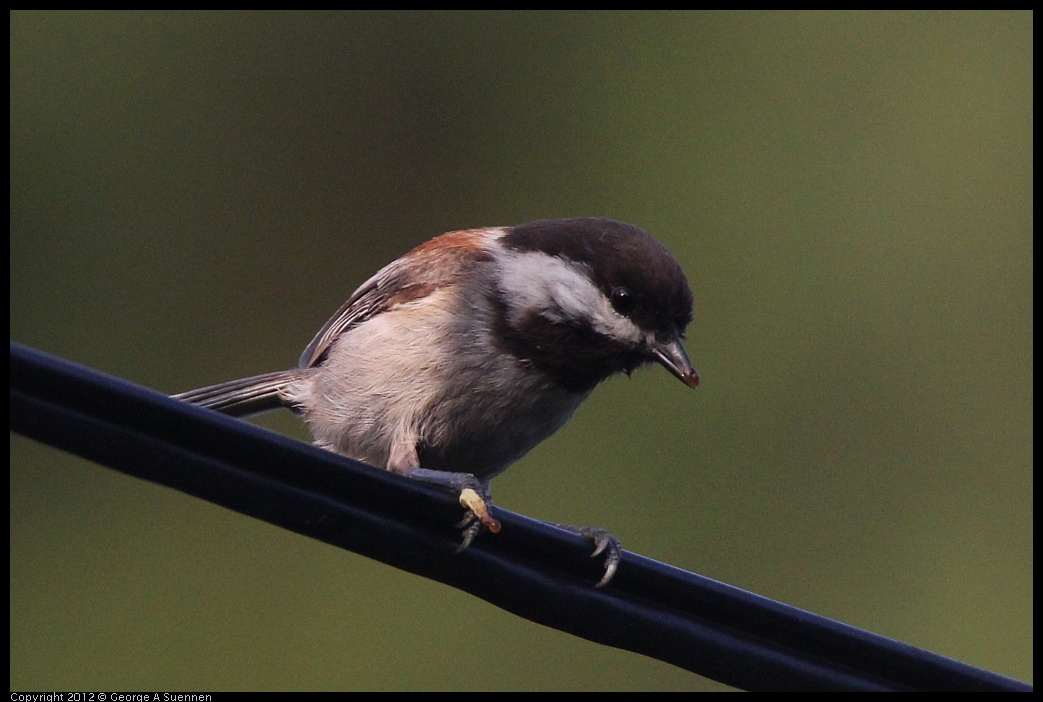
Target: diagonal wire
[{"x": 530, "y": 568}]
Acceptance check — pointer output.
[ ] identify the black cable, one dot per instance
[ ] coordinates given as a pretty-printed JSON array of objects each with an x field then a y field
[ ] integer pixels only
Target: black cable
[{"x": 532, "y": 569}]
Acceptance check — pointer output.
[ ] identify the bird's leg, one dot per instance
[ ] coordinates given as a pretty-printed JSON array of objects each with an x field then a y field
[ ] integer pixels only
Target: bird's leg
[{"x": 473, "y": 494}]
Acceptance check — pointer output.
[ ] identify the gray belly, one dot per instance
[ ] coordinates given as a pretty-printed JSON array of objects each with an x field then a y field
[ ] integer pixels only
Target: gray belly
[{"x": 503, "y": 434}]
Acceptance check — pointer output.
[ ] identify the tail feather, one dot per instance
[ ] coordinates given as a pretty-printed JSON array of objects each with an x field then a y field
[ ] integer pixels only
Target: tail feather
[{"x": 245, "y": 396}]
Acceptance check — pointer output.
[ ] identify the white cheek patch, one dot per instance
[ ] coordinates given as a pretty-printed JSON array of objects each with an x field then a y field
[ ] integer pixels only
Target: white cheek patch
[{"x": 562, "y": 291}]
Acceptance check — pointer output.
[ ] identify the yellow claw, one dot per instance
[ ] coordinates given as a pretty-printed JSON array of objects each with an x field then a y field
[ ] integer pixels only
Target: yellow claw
[{"x": 474, "y": 502}]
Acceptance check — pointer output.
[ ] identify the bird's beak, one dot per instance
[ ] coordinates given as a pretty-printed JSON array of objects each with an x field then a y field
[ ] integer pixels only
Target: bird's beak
[{"x": 672, "y": 356}]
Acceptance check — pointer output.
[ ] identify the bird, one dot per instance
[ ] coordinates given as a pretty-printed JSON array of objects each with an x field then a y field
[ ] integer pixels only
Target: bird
[{"x": 453, "y": 361}]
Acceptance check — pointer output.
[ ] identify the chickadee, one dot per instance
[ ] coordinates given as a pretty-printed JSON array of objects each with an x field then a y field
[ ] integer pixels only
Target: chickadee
[{"x": 455, "y": 360}]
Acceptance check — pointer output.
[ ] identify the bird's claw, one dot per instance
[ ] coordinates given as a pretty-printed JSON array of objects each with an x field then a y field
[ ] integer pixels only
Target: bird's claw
[
  {"x": 469, "y": 532},
  {"x": 605, "y": 543},
  {"x": 613, "y": 550}
]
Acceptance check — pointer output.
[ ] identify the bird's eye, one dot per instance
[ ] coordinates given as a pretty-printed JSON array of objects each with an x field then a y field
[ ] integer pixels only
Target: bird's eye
[{"x": 623, "y": 301}]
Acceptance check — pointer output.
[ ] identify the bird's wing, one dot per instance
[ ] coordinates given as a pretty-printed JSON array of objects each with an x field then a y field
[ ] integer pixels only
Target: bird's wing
[{"x": 422, "y": 271}]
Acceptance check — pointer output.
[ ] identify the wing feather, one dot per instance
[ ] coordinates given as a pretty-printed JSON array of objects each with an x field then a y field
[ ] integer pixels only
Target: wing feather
[{"x": 437, "y": 263}]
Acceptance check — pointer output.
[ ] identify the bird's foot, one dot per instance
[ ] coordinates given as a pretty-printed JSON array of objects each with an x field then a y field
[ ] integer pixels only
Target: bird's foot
[
  {"x": 474, "y": 497},
  {"x": 605, "y": 543}
]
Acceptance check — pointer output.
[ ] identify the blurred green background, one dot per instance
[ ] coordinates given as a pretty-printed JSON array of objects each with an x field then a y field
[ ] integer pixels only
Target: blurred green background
[{"x": 193, "y": 194}]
